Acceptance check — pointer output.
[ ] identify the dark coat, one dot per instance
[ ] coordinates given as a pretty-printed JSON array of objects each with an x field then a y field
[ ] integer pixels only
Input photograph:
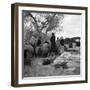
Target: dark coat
[
  {"x": 52, "y": 43},
  {"x": 39, "y": 42},
  {"x": 62, "y": 42}
]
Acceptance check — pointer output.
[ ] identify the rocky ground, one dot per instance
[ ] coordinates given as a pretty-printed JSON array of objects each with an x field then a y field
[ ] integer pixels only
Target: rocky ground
[{"x": 68, "y": 63}]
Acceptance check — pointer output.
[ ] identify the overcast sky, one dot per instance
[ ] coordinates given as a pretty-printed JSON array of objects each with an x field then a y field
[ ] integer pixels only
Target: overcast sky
[{"x": 71, "y": 26}]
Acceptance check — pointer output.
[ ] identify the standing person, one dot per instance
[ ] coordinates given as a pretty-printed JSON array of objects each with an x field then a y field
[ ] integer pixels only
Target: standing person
[
  {"x": 52, "y": 40},
  {"x": 58, "y": 45},
  {"x": 62, "y": 44},
  {"x": 39, "y": 41},
  {"x": 62, "y": 41},
  {"x": 38, "y": 47}
]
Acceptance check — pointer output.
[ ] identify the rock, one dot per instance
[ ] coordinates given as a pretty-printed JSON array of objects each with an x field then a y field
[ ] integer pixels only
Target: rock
[
  {"x": 58, "y": 60},
  {"x": 66, "y": 55},
  {"x": 72, "y": 69},
  {"x": 46, "y": 62},
  {"x": 72, "y": 64},
  {"x": 63, "y": 65},
  {"x": 45, "y": 49},
  {"x": 29, "y": 50}
]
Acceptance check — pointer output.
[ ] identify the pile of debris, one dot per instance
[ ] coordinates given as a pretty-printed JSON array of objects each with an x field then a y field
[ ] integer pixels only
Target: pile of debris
[
  {"x": 65, "y": 64},
  {"x": 69, "y": 62}
]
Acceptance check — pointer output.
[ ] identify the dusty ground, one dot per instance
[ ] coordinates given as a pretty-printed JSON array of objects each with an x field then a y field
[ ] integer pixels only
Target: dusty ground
[{"x": 68, "y": 63}]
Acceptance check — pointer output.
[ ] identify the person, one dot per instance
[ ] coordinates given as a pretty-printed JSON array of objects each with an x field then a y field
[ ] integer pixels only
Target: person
[
  {"x": 62, "y": 44},
  {"x": 39, "y": 41},
  {"x": 52, "y": 40},
  {"x": 39, "y": 46},
  {"x": 62, "y": 41},
  {"x": 58, "y": 45},
  {"x": 58, "y": 42}
]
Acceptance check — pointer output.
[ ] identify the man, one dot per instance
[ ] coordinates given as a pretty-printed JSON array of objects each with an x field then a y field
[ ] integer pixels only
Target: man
[
  {"x": 52, "y": 39},
  {"x": 39, "y": 41},
  {"x": 38, "y": 48}
]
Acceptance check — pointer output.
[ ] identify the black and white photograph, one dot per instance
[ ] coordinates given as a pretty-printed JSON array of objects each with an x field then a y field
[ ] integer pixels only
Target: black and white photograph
[{"x": 49, "y": 44}]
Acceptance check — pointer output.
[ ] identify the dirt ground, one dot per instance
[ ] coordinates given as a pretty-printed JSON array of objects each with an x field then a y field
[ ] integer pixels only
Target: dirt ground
[{"x": 68, "y": 63}]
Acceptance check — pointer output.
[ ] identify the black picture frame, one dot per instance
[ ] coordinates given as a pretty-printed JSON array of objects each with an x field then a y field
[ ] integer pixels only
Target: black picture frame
[{"x": 15, "y": 40}]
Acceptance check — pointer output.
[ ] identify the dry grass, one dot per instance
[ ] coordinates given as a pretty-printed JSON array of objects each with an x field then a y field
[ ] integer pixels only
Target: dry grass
[{"x": 55, "y": 68}]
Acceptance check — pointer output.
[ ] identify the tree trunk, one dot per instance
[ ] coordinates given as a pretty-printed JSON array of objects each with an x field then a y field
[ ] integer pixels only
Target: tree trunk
[{"x": 36, "y": 26}]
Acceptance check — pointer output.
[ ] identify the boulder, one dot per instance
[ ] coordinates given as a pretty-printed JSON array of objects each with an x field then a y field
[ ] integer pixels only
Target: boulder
[
  {"x": 29, "y": 50},
  {"x": 45, "y": 49}
]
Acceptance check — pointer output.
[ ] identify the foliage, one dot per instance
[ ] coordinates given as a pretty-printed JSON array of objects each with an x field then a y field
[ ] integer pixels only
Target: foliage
[{"x": 39, "y": 23}]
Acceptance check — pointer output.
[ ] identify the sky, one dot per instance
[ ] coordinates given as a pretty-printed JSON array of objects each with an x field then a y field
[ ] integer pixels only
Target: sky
[{"x": 71, "y": 26}]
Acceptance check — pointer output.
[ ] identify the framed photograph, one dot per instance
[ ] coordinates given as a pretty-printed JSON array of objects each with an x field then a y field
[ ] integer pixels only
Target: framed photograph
[{"x": 48, "y": 44}]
